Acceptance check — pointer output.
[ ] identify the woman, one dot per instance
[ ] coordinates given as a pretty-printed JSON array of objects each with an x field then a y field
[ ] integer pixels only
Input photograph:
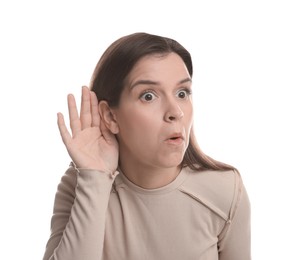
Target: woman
[{"x": 139, "y": 187}]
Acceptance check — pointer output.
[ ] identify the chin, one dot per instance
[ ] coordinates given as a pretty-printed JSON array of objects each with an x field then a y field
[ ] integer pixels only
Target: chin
[{"x": 172, "y": 161}]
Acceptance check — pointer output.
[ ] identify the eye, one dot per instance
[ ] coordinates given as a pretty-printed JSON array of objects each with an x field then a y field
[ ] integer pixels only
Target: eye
[
  {"x": 148, "y": 96},
  {"x": 184, "y": 93}
]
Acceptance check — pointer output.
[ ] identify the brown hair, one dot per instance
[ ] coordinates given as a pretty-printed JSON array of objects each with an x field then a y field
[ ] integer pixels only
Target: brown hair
[{"x": 108, "y": 81}]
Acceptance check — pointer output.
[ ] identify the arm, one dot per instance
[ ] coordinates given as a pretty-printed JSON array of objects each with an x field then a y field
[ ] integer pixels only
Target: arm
[
  {"x": 234, "y": 242},
  {"x": 78, "y": 222},
  {"x": 81, "y": 201}
]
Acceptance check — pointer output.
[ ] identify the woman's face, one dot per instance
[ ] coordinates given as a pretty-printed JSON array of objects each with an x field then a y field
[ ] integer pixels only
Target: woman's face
[{"x": 154, "y": 116}]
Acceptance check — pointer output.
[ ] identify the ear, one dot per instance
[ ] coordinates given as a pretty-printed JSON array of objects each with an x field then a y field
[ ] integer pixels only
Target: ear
[{"x": 108, "y": 117}]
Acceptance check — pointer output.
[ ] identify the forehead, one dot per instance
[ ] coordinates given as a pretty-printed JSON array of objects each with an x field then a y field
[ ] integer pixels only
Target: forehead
[{"x": 158, "y": 67}]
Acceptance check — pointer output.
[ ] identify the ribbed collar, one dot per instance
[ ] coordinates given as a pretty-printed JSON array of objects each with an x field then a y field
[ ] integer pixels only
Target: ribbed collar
[{"x": 122, "y": 181}]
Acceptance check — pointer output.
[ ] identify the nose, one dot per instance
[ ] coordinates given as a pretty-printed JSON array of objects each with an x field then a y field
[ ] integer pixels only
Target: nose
[{"x": 173, "y": 113}]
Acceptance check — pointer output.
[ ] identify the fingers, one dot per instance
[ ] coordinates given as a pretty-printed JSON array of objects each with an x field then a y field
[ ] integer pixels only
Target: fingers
[
  {"x": 65, "y": 135},
  {"x": 73, "y": 114},
  {"x": 89, "y": 115},
  {"x": 94, "y": 110},
  {"x": 85, "y": 112}
]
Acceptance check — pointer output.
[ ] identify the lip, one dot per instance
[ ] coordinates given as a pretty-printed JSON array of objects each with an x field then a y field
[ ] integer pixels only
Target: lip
[{"x": 175, "y": 139}]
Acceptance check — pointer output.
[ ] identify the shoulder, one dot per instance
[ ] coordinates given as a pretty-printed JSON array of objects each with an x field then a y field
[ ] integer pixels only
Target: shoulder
[{"x": 220, "y": 191}]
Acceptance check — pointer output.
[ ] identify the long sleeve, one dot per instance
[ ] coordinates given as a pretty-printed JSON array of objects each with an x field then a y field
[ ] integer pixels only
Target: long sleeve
[
  {"x": 78, "y": 221},
  {"x": 235, "y": 243}
]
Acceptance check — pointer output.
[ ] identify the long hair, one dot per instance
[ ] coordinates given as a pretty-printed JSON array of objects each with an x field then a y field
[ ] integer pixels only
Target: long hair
[{"x": 110, "y": 74}]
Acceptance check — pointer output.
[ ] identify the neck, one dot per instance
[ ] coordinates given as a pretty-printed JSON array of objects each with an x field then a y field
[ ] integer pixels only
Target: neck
[{"x": 149, "y": 177}]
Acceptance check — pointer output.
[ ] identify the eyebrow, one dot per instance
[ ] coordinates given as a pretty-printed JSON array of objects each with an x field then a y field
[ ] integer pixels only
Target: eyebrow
[{"x": 150, "y": 82}]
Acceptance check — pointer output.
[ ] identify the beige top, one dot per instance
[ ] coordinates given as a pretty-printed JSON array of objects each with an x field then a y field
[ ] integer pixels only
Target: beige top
[{"x": 200, "y": 215}]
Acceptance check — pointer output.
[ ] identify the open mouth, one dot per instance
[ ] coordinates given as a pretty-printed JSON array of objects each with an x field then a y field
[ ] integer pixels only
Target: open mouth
[{"x": 175, "y": 139}]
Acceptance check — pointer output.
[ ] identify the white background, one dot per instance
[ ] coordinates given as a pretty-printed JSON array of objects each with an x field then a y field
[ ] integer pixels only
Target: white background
[{"x": 248, "y": 81}]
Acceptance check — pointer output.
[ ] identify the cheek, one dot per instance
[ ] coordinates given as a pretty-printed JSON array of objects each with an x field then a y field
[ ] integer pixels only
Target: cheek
[
  {"x": 188, "y": 114},
  {"x": 137, "y": 122}
]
